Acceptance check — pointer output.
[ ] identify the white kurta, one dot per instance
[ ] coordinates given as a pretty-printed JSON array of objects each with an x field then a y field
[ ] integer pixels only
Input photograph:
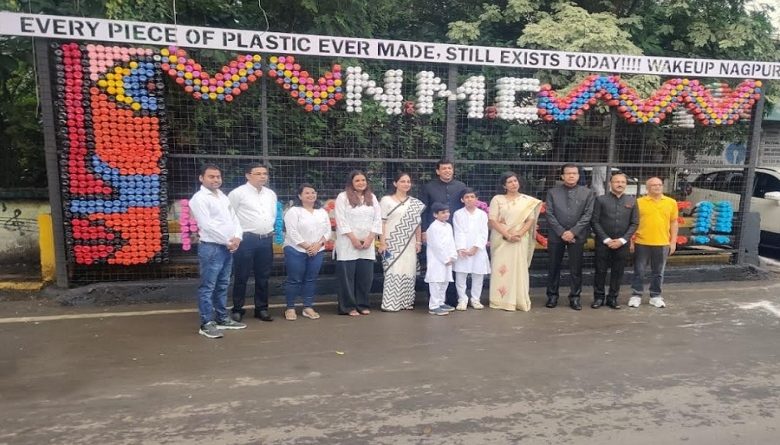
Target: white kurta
[
  {"x": 302, "y": 226},
  {"x": 440, "y": 249},
  {"x": 360, "y": 221},
  {"x": 471, "y": 229}
]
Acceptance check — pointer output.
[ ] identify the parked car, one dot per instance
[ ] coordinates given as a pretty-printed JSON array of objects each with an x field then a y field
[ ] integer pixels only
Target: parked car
[{"x": 727, "y": 185}]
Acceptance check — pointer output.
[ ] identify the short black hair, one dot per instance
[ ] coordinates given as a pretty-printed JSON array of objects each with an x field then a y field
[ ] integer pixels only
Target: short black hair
[
  {"x": 569, "y": 165},
  {"x": 619, "y": 174},
  {"x": 437, "y": 207},
  {"x": 255, "y": 165},
  {"x": 444, "y": 161},
  {"x": 205, "y": 167},
  {"x": 466, "y": 191},
  {"x": 297, "y": 200}
]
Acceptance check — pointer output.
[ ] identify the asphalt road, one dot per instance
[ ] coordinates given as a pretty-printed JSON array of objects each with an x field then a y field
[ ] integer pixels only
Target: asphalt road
[{"x": 704, "y": 370}]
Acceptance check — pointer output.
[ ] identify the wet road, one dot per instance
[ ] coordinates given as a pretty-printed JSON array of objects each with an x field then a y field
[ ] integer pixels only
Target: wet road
[{"x": 704, "y": 370}]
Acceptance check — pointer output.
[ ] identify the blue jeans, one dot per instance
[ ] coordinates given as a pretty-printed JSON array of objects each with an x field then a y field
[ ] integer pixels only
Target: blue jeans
[
  {"x": 655, "y": 256},
  {"x": 215, "y": 264},
  {"x": 302, "y": 272}
]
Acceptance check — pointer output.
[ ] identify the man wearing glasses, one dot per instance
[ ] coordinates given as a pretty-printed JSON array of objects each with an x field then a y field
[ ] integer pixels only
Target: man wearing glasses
[{"x": 255, "y": 206}]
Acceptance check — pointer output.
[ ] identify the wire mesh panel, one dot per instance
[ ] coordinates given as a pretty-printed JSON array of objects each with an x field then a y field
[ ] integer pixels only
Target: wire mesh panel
[{"x": 314, "y": 120}]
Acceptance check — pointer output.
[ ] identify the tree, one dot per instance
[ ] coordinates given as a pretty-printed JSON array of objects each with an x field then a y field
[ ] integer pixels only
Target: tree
[
  {"x": 671, "y": 28},
  {"x": 21, "y": 142}
]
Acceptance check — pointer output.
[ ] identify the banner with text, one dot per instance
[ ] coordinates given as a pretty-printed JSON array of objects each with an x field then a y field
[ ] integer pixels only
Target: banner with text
[{"x": 143, "y": 33}]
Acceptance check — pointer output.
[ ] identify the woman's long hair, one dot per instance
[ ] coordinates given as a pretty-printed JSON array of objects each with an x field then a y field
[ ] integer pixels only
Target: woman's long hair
[{"x": 353, "y": 196}]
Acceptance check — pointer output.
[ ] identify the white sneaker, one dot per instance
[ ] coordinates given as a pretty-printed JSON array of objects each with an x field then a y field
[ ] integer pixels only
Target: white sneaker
[
  {"x": 634, "y": 301},
  {"x": 657, "y": 302},
  {"x": 477, "y": 305},
  {"x": 461, "y": 306}
]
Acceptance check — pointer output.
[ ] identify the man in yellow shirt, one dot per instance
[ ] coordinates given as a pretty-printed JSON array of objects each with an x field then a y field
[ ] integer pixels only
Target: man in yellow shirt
[{"x": 656, "y": 239}]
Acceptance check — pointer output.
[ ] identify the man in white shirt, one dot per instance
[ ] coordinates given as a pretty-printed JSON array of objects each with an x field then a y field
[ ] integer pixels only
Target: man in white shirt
[
  {"x": 255, "y": 206},
  {"x": 220, "y": 235}
]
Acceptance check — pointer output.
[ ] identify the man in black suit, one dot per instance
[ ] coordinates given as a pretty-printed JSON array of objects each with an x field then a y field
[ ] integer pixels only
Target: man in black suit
[{"x": 615, "y": 219}]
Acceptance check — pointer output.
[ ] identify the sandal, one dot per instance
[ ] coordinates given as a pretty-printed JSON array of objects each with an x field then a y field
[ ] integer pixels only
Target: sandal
[
  {"x": 364, "y": 312},
  {"x": 290, "y": 315},
  {"x": 353, "y": 313},
  {"x": 310, "y": 313}
]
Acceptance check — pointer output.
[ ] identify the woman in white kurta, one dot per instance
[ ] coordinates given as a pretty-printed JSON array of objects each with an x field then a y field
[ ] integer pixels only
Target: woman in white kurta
[
  {"x": 399, "y": 244},
  {"x": 307, "y": 229},
  {"x": 470, "y": 225},
  {"x": 358, "y": 223}
]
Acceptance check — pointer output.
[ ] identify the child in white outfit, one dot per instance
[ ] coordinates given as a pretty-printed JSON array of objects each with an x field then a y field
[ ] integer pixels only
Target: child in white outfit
[
  {"x": 471, "y": 236},
  {"x": 441, "y": 254}
]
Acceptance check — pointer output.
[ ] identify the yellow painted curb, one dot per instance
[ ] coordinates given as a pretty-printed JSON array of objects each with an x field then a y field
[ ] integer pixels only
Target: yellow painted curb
[{"x": 20, "y": 285}]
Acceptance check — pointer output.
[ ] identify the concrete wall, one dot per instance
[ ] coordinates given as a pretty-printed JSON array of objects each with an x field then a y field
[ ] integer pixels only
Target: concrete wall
[
  {"x": 770, "y": 143},
  {"x": 19, "y": 232}
]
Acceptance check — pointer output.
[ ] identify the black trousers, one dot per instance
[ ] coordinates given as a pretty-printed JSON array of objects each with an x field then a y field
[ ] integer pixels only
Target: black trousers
[
  {"x": 613, "y": 260},
  {"x": 254, "y": 255},
  {"x": 556, "y": 251},
  {"x": 354, "y": 278}
]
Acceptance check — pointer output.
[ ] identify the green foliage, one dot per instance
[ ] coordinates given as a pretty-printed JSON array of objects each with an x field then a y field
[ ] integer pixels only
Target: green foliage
[
  {"x": 571, "y": 28},
  {"x": 676, "y": 28},
  {"x": 21, "y": 138},
  {"x": 141, "y": 10}
]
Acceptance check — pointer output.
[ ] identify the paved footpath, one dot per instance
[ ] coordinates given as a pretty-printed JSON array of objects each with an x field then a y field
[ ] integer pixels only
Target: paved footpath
[{"x": 704, "y": 370}]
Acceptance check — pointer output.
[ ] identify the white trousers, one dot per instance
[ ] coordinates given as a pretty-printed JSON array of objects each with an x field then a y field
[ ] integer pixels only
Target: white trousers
[
  {"x": 476, "y": 286},
  {"x": 438, "y": 292}
]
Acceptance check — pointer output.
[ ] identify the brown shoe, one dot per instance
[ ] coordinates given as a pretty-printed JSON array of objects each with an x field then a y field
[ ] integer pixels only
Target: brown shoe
[{"x": 290, "y": 315}]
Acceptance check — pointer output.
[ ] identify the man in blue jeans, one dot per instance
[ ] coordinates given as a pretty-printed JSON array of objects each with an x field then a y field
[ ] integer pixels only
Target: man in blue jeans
[
  {"x": 220, "y": 236},
  {"x": 255, "y": 207}
]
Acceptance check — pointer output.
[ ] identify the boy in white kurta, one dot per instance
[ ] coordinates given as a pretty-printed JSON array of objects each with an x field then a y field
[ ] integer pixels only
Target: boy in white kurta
[
  {"x": 471, "y": 236},
  {"x": 441, "y": 254}
]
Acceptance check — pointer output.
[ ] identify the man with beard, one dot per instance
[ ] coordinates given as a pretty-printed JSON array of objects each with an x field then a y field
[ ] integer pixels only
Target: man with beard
[{"x": 615, "y": 219}]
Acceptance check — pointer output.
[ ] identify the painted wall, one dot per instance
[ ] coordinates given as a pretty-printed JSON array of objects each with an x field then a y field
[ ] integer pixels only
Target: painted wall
[{"x": 19, "y": 231}]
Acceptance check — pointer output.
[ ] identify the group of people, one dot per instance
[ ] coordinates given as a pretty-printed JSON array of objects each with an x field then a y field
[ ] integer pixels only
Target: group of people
[
  {"x": 457, "y": 235},
  {"x": 236, "y": 234}
]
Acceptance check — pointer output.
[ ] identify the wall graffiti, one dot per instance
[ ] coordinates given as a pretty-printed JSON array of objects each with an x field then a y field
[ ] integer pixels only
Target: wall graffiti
[{"x": 11, "y": 219}]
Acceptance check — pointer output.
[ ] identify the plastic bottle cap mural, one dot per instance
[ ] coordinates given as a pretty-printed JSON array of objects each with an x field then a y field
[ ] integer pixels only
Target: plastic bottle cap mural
[{"x": 113, "y": 134}]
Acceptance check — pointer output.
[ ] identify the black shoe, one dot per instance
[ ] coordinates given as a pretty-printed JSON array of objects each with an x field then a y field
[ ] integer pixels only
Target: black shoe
[
  {"x": 597, "y": 303},
  {"x": 574, "y": 303},
  {"x": 552, "y": 301},
  {"x": 264, "y": 315},
  {"x": 237, "y": 316},
  {"x": 612, "y": 302}
]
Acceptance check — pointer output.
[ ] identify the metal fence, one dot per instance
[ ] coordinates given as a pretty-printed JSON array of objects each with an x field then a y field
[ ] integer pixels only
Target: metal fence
[{"x": 265, "y": 123}]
